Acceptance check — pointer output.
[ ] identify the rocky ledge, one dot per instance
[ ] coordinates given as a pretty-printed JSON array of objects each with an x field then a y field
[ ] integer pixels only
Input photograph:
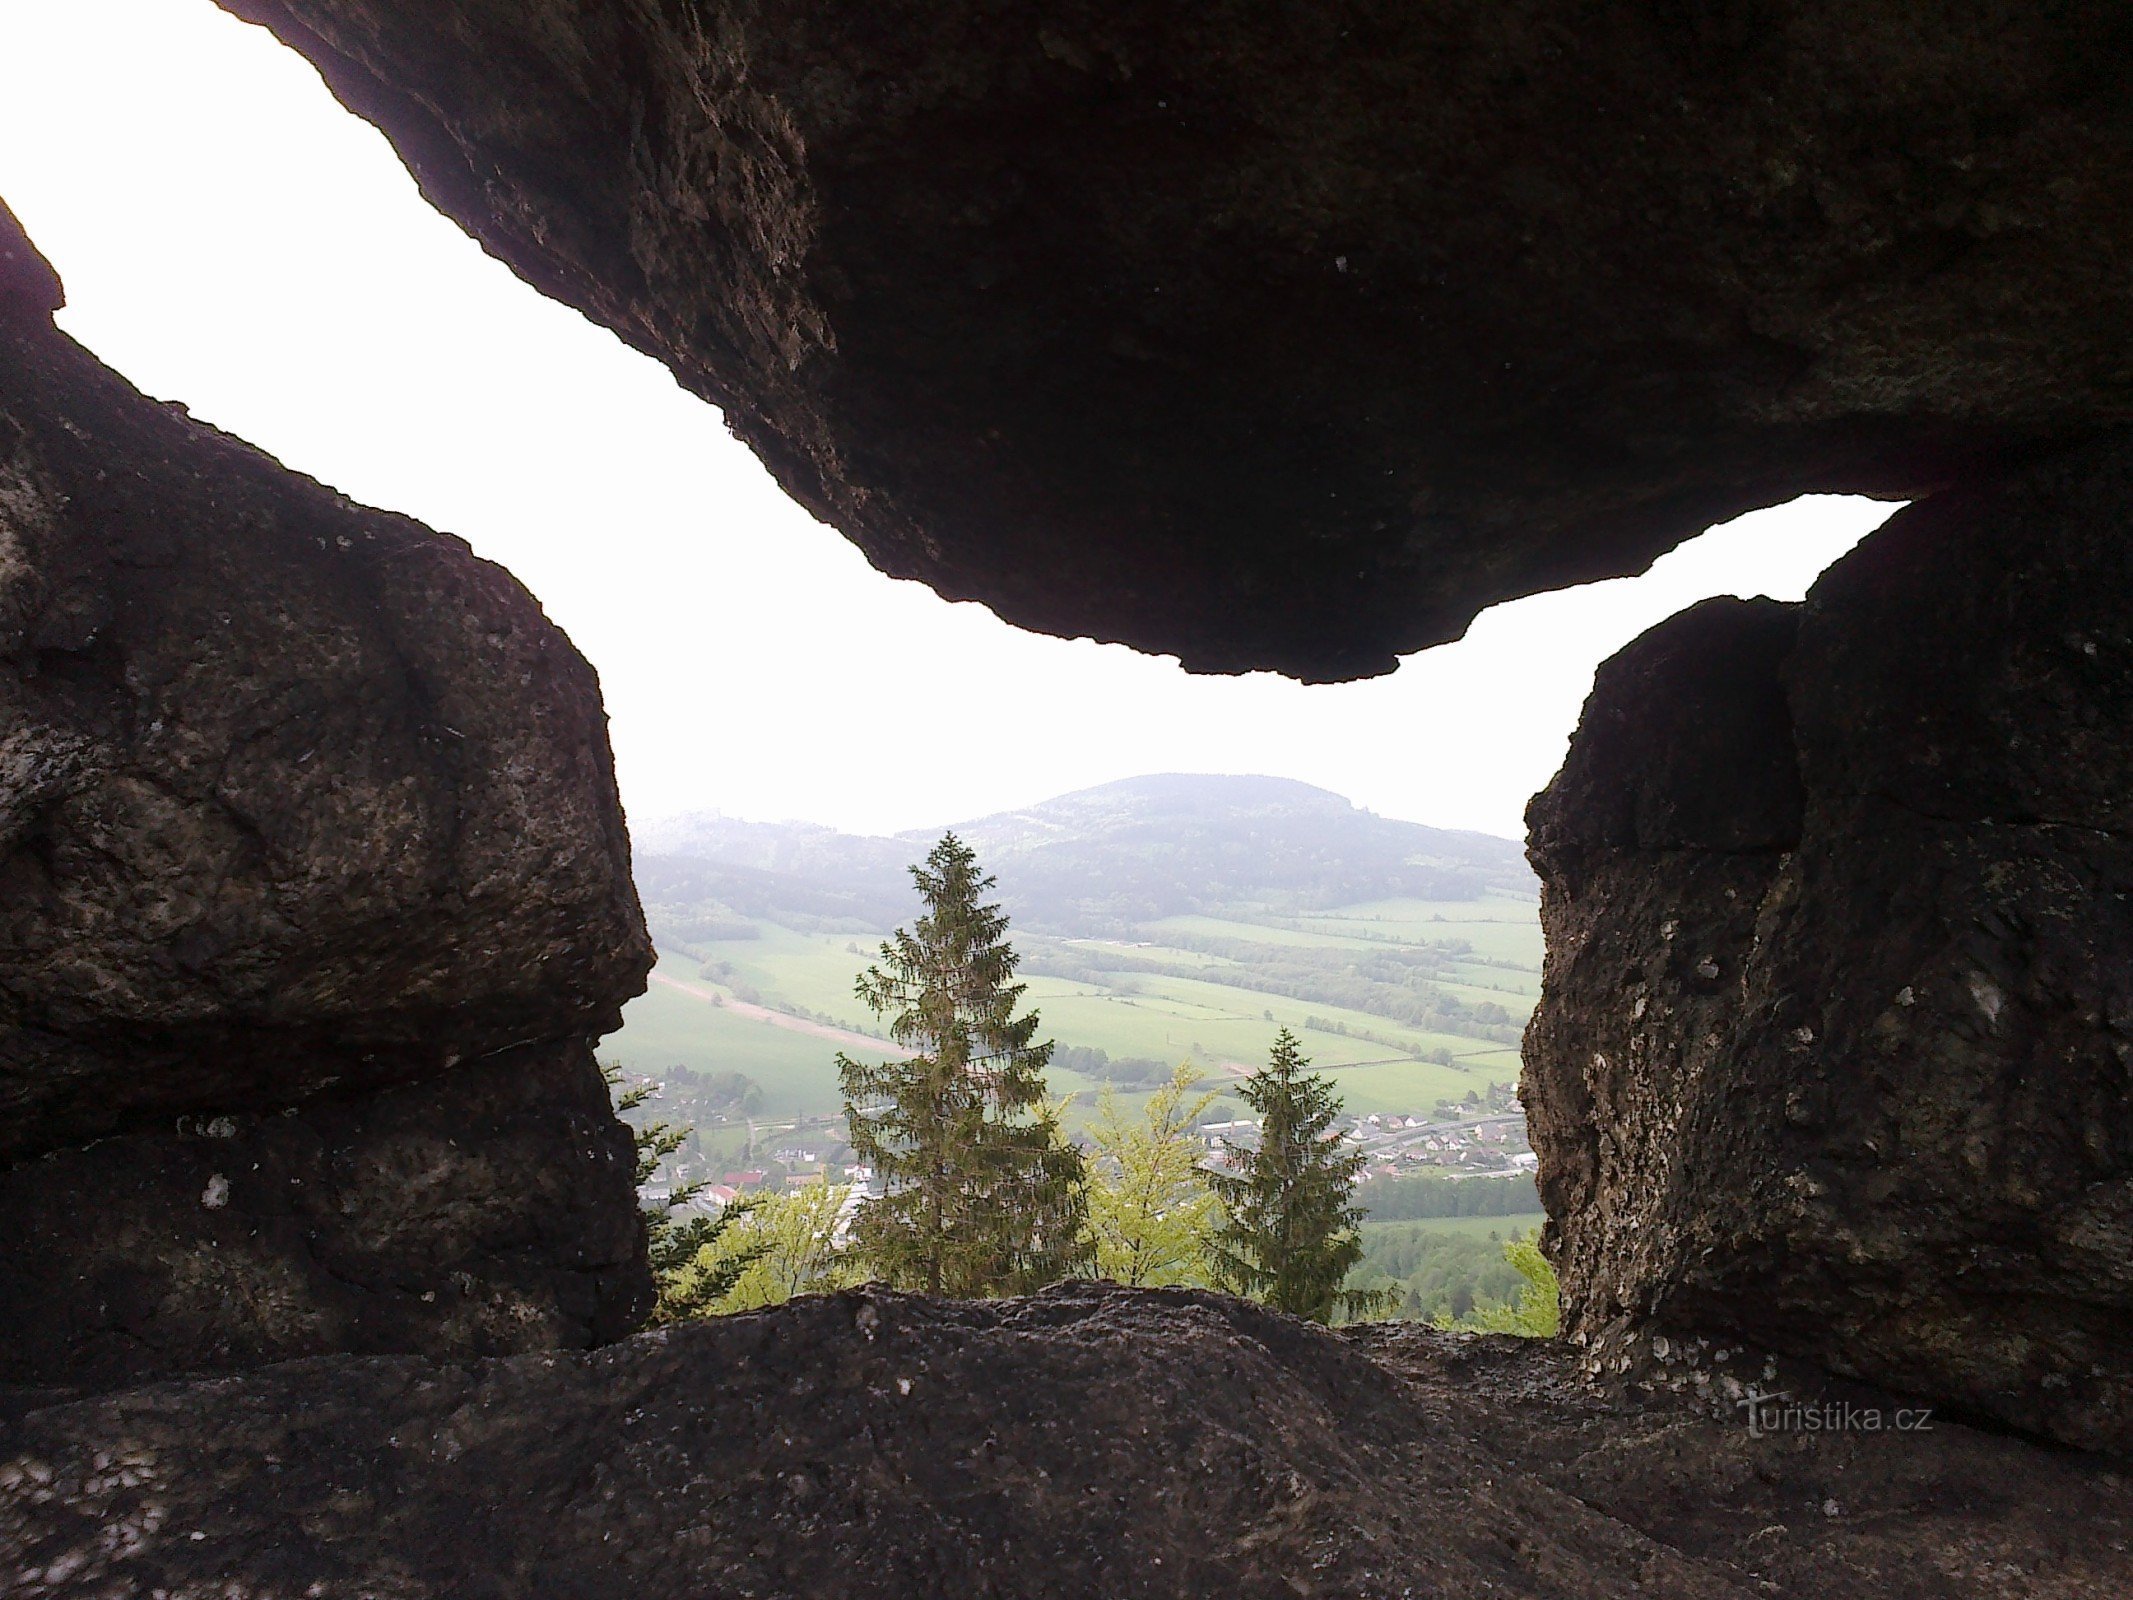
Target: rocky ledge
[{"x": 1089, "y": 1441}]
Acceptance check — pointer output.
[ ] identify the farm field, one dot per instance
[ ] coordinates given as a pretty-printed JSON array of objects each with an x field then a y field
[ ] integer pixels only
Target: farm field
[
  {"x": 1381, "y": 1063},
  {"x": 665, "y": 1028}
]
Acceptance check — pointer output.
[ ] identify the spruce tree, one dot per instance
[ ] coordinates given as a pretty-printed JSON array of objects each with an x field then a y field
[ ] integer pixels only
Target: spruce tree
[
  {"x": 1290, "y": 1233},
  {"x": 981, "y": 1196},
  {"x": 695, "y": 1262}
]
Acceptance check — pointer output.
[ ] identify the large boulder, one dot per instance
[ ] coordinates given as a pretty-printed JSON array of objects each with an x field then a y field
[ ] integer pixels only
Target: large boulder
[
  {"x": 1292, "y": 336},
  {"x": 300, "y": 803},
  {"x": 1836, "y": 1050}
]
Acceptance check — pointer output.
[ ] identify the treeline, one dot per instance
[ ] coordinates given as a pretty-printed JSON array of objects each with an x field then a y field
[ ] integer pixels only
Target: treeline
[
  {"x": 1399, "y": 984},
  {"x": 684, "y": 1093},
  {"x": 720, "y": 971},
  {"x": 1125, "y": 1071},
  {"x": 1313, "y": 1023},
  {"x": 1429, "y": 1195},
  {"x": 688, "y": 934},
  {"x": 1433, "y": 1276}
]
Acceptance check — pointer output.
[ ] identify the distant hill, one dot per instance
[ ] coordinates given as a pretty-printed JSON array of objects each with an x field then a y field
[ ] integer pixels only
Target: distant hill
[{"x": 1096, "y": 862}]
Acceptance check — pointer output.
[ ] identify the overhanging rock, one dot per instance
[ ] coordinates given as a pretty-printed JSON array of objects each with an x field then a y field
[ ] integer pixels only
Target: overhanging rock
[{"x": 1293, "y": 336}]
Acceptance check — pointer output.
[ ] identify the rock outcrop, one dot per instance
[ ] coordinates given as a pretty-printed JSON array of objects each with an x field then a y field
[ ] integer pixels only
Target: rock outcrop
[
  {"x": 308, "y": 830},
  {"x": 483, "y": 1211},
  {"x": 1272, "y": 336},
  {"x": 1836, "y": 1051},
  {"x": 1092, "y": 1441},
  {"x": 1291, "y": 337}
]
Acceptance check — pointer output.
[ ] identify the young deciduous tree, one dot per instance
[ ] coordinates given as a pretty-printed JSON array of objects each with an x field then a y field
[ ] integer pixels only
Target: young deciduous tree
[
  {"x": 791, "y": 1248},
  {"x": 1538, "y": 1313},
  {"x": 694, "y": 1261},
  {"x": 982, "y": 1194},
  {"x": 1290, "y": 1234},
  {"x": 1151, "y": 1213}
]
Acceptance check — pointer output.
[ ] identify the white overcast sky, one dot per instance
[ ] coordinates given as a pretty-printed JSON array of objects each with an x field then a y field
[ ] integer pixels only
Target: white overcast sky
[{"x": 231, "y": 238}]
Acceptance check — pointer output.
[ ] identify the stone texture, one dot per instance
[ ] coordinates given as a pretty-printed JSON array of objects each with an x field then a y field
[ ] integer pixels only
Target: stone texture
[
  {"x": 488, "y": 1211},
  {"x": 1291, "y": 337},
  {"x": 1836, "y": 1051},
  {"x": 297, "y": 799},
  {"x": 1092, "y": 1441},
  {"x": 292, "y": 793}
]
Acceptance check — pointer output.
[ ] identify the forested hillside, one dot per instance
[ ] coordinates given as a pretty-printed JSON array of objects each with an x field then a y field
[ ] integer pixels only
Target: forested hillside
[
  {"x": 1159, "y": 919},
  {"x": 1099, "y": 862}
]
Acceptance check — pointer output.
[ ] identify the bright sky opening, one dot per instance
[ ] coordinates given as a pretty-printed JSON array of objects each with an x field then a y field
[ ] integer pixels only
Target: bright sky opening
[{"x": 232, "y": 238}]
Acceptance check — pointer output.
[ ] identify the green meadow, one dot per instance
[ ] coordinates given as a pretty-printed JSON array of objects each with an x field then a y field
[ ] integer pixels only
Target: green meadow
[{"x": 1184, "y": 990}]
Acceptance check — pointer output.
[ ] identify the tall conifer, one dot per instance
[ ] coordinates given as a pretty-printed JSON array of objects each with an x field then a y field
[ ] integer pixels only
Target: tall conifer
[
  {"x": 1290, "y": 1233},
  {"x": 982, "y": 1194}
]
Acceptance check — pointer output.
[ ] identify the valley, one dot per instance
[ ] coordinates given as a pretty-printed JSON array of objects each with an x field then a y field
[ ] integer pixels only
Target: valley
[{"x": 1159, "y": 920}]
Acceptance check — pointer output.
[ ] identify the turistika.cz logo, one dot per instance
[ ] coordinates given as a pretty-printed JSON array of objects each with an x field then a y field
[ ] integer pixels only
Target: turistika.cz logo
[{"x": 1778, "y": 1412}]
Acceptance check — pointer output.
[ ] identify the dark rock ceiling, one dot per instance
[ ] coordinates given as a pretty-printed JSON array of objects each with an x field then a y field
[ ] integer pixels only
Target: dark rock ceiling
[{"x": 1286, "y": 336}]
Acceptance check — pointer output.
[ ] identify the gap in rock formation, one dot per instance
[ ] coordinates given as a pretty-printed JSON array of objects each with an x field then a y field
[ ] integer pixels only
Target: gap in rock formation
[{"x": 306, "y": 298}]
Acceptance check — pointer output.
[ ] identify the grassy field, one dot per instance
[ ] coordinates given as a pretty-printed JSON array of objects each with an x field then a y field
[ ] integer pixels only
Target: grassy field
[
  {"x": 664, "y": 1028},
  {"x": 1379, "y": 1062},
  {"x": 787, "y": 969}
]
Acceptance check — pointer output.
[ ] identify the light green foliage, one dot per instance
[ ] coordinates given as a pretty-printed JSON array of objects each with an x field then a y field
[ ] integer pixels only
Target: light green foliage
[
  {"x": 1537, "y": 1313},
  {"x": 1289, "y": 1233},
  {"x": 1151, "y": 1213},
  {"x": 686, "y": 1288},
  {"x": 789, "y": 1242},
  {"x": 1439, "y": 1269},
  {"x": 983, "y": 1196}
]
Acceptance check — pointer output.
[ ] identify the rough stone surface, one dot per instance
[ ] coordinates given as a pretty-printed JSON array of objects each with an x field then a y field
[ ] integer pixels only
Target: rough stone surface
[
  {"x": 1836, "y": 1050},
  {"x": 293, "y": 794},
  {"x": 29, "y": 288},
  {"x": 481, "y": 1213},
  {"x": 1093, "y": 1441},
  {"x": 1291, "y": 336},
  {"x": 300, "y": 805}
]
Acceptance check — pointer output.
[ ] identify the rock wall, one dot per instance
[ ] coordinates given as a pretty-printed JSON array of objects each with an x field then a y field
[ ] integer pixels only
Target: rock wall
[
  {"x": 300, "y": 804},
  {"x": 1836, "y": 1051},
  {"x": 478, "y": 1213},
  {"x": 1292, "y": 336}
]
